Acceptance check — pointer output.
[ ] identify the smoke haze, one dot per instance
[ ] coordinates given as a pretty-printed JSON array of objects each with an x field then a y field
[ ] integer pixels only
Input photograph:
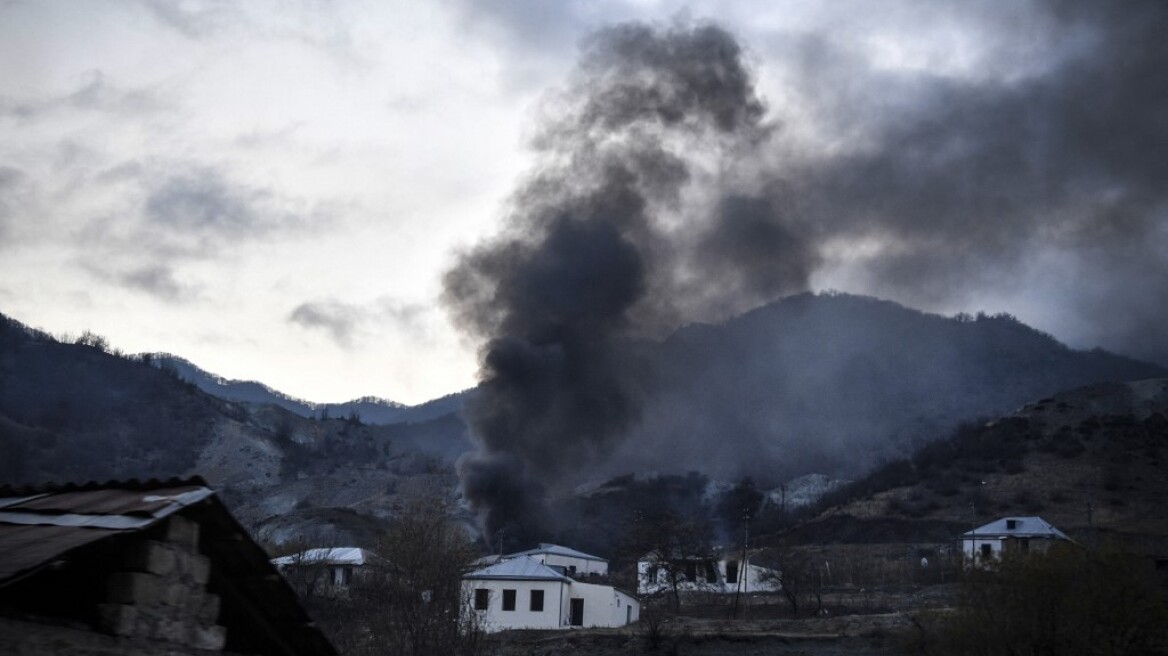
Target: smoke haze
[{"x": 666, "y": 193}]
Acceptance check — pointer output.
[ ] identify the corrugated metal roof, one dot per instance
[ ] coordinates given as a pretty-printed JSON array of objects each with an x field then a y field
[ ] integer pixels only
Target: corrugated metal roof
[
  {"x": 63, "y": 518},
  {"x": 1024, "y": 527},
  {"x": 520, "y": 568},
  {"x": 555, "y": 549},
  {"x": 42, "y": 525},
  {"x": 326, "y": 556}
]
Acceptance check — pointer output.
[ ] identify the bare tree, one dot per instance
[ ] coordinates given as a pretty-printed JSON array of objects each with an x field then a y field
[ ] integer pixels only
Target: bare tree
[
  {"x": 800, "y": 578},
  {"x": 675, "y": 545},
  {"x": 408, "y": 602}
]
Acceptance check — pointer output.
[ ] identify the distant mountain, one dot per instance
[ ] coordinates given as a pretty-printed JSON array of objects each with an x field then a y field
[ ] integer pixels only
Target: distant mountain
[
  {"x": 78, "y": 412},
  {"x": 836, "y": 384},
  {"x": 832, "y": 384},
  {"x": 369, "y": 409}
]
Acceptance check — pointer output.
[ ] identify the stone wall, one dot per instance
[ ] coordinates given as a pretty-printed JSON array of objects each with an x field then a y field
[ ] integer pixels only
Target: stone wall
[
  {"x": 159, "y": 591},
  {"x": 155, "y": 602}
]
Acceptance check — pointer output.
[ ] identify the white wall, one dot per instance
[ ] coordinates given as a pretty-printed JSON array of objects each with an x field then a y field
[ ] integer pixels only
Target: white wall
[
  {"x": 972, "y": 548},
  {"x": 758, "y": 579},
  {"x": 583, "y": 566},
  {"x": 497, "y": 619},
  {"x": 604, "y": 606}
]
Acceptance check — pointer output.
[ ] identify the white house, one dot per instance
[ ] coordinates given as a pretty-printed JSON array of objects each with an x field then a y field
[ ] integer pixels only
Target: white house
[
  {"x": 1009, "y": 535},
  {"x": 523, "y": 593},
  {"x": 724, "y": 574},
  {"x": 323, "y": 568}
]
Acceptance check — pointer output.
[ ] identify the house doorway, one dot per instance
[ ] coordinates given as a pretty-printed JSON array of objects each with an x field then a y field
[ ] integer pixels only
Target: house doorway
[{"x": 576, "y": 612}]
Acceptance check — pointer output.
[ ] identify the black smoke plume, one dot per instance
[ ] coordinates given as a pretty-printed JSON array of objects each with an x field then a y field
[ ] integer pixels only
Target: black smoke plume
[
  {"x": 601, "y": 246},
  {"x": 665, "y": 193}
]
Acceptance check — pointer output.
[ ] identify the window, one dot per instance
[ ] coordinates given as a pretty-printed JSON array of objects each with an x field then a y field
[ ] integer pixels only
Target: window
[
  {"x": 508, "y": 600},
  {"x": 711, "y": 573},
  {"x": 1025, "y": 544},
  {"x": 537, "y": 600},
  {"x": 986, "y": 551},
  {"x": 1011, "y": 524},
  {"x": 691, "y": 571},
  {"x": 482, "y": 598},
  {"x": 572, "y": 570},
  {"x": 732, "y": 571}
]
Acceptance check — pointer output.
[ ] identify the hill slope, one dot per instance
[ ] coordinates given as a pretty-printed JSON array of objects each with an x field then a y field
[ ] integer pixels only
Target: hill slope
[
  {"x": 73, "y": 412},
  {"x": 1092, "y": 461},
  {"x": 836, "y": 384}
]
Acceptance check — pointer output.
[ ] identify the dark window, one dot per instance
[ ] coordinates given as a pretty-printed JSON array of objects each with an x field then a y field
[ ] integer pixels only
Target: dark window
[
  {"x": 711, "y": 573},
  {"x": 732, "y": 571},
  {"x": 1011, "y": 524},
  {"x": 691, "y": 571},
  {"x": 508, "y": 600},
  {"x": 576, "y": 612},
  {"x": 537, "y": 600},
  {"x": 482, "y": 598},
  {"x": 572, "y": 570},
  {"x": 986, "y": 551}
]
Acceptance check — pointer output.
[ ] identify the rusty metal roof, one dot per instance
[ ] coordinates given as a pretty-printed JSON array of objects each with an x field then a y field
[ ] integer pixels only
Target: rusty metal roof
[
  {"x": 44, "y": 524},
  {"x": 38, "y": 525}
]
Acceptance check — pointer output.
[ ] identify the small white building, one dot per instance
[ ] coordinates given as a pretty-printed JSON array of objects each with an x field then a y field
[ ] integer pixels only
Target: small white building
[
  {"x": 323, "y": 568},
  {"x": 1009, "y": 535},
  {"x": 574, "y": 563},
  {"x": 721, "y": 574},
  {"x": 523, "y": 593}
]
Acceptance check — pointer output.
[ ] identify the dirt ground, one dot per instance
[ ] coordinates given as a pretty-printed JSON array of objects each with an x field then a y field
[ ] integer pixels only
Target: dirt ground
[{"x": 855, "y": 622}]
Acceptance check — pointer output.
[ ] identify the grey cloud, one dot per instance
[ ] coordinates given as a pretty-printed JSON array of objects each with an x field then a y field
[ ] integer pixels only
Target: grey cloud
[
  {"x": 196, "y": 19},
  {"x": 347, "y": 324},
  {"x": 96, "y": 94},
  {"x": 13, "y": 189},
  {"x": 527, "y": 22},
  {"x": 203, "y": 200},
  {"x": 160, "y": 281},
  {"x": 337, "y": 319},
  {"x": 973, "y": 180}
]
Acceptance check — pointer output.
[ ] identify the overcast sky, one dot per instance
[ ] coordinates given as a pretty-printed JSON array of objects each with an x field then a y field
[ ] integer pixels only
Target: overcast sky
[{"x": 274, "y": 190}]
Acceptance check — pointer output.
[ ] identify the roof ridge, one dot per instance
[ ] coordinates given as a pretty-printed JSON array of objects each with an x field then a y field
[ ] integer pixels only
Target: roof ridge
[{"x": 124, "y": 484}]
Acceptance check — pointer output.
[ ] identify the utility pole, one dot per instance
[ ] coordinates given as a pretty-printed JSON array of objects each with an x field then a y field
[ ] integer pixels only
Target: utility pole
[{"x": 745, "y": 561}]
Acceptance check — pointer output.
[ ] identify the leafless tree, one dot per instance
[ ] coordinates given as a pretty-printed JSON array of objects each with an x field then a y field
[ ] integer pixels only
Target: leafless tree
[
  {"x": 409, "y": 601},
  {"x": 672, "y": 543}
]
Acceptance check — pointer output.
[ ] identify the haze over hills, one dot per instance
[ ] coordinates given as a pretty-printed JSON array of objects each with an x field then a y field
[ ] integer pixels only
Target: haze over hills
[
  {"x": 810, "y": 384},
  {"x": 835, "y": 383}
]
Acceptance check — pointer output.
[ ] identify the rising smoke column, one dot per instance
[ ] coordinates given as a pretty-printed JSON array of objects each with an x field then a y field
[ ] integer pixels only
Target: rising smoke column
[{"x": 634, "y": 220}]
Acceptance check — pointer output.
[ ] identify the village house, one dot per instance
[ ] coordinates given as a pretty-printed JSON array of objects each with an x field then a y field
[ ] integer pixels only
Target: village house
[
  {"x": 134, "y": 568},
  {"x": 523, "y": 593},
  {"x": 1009, "y": 535},
  {"x": 713, "y": 573},
  {"x": 323, "y": 570}
]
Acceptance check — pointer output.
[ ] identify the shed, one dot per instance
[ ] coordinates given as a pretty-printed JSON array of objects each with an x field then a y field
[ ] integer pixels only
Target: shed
[{"x": 131, "y": 568}]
